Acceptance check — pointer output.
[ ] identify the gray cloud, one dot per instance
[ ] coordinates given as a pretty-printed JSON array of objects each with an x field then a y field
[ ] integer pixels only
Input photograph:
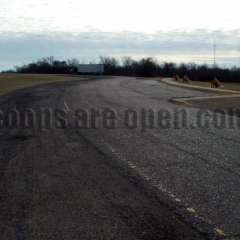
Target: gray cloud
[{"x": 19, "y": 48}]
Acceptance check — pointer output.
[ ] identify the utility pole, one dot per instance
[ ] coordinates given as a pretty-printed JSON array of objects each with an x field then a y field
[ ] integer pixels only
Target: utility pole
[
  {"x": 214, "y": 53},
  {"x": 239, "y": 57}
]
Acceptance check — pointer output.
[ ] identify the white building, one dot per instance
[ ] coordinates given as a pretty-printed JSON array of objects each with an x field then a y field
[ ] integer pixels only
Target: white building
[{"x": 90, "y": 68}]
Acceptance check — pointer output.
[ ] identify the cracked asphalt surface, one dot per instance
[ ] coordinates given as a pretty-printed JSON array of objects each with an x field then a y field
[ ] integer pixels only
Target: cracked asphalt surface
[{"x": 120, "y": 183}]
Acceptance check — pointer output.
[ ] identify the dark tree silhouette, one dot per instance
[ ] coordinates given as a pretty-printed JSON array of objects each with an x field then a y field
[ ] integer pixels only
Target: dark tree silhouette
[{"x": 145, "y": 67}]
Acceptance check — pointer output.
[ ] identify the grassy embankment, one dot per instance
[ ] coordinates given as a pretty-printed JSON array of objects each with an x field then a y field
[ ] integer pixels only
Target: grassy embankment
[
  {"x": 226, "y": 85},
  {"x": 11, "y": 81}
]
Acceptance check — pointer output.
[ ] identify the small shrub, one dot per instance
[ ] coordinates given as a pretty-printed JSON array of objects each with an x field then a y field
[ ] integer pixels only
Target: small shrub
[
  {"x": 186, "y": 79},
  {"x": 215, "y": 83}
]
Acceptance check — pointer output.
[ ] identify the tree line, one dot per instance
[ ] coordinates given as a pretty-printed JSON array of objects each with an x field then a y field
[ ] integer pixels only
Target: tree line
[
  {"x": 145, "y": 67},
  {"x": 148, "y": 67},
  {"x": 48, "y": 65}
]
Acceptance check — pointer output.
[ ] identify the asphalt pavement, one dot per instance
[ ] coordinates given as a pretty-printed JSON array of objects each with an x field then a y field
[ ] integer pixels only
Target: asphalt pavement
[{"x": 108, "y": 173}]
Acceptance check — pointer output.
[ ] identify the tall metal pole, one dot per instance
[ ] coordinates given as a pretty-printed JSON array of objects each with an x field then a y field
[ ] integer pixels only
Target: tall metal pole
[
  {"x": 239, "y": 57},
  {"x": 214, "y": 53}
]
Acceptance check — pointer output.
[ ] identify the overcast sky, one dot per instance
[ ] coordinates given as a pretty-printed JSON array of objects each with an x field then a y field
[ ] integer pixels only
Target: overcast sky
[{"x": 171, "y": 30}]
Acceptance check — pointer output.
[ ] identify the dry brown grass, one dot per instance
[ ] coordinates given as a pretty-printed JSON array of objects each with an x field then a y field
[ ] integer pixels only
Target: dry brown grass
[
  {"x": 13, "y": 81},
  {"x": 229, "y": 86}
]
